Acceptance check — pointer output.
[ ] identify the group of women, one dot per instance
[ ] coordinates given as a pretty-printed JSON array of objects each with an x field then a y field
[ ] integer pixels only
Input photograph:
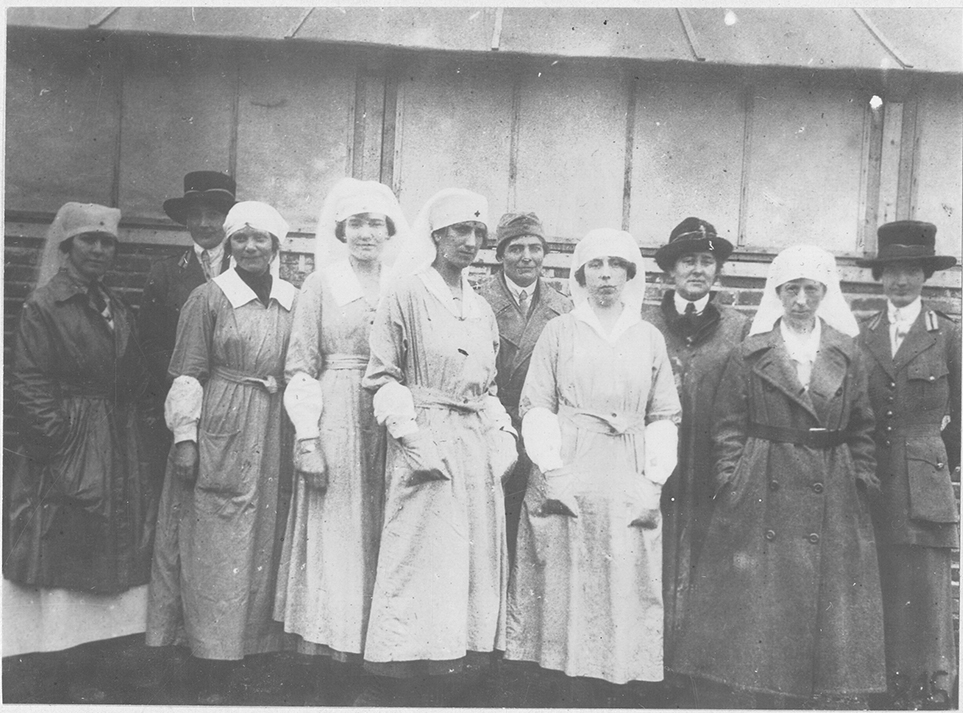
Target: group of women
[{"x": 335, "y": 484}]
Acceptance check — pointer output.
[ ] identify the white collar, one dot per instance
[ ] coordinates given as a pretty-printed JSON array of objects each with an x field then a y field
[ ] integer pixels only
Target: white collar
[
  {"x": 907, "y": 314},
  {"x": 239, "y": 294},
  {"x": 437, "y": 286},
  {"x": 801, "y": 347},
  {"x": 343, "y": 281},
  {"x": 681, "y": 302},
  {"x": 629, "y": 318},
  {"x": 516, "y": 290},
  {"x": 216, "y": 254}
]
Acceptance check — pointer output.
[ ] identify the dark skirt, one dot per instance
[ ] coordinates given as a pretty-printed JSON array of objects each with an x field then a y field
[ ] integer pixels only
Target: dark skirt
[{"x": 918, "y": 619}]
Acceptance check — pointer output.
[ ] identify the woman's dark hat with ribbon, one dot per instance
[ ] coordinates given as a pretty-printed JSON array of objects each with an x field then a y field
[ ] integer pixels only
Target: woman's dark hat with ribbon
[
  {"x": 692, "y": 235},
  {"x": 908, "y": 241},
  {"x": 211, "y": 187}
]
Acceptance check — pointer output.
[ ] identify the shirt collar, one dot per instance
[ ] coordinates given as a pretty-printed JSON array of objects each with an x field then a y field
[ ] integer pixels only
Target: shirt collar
[
  {"x": 801, "y": 347},
  {"x": 239, "y": 294},
  {"x": 907, "y": 314},
  {"x": 343, "y": 282},
  {"x": 516, "y": 290},
  {"x": 629, "y": 318},
  {"x": 681, "y": 302},
  {"x": 216, "y": 254},
  {"x": 435, "y": 284}
]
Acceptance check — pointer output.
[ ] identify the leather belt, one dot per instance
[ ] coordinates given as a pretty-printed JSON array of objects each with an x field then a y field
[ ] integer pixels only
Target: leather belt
[
  {"x": 345, "y": 361},
  {"x": 813, "y": 437}
]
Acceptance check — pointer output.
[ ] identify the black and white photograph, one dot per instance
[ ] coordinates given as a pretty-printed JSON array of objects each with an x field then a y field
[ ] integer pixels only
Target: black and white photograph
[{"x": 462, "y": 356}]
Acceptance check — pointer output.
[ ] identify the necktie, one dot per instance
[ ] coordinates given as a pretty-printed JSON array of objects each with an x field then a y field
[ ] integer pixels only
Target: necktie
[
  {"x": 902, "y": 329},
  {"x": 689, "y": 318},
  {"x": 523, "y": 302},
  {"x": 206, "y": 264},
  {"x": 100, "y": 304}
]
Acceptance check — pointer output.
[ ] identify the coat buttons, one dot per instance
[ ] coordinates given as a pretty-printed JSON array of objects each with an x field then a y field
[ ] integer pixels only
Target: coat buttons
[
  {"x": 887, "y": 443},
  {"x": 889, "y": 429},
  {"x": 774, "y": 485},
  {"x": 770, "y": 535},
  {"x": 889, "y": 413},
  {"x": 932, "y": 378},
  {"x": 891, "y": 398},
  {"x": 817, "y": 488},
  {"x": 892, "y": 384},
  {"x": 939, "y": 465},
  {"x": 814, "y": 538}
]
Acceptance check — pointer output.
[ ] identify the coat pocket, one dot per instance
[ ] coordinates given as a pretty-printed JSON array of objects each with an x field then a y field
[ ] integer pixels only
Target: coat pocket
[
  {"x": 224, "y": 463},
  {"x": 930, "y": 492}
]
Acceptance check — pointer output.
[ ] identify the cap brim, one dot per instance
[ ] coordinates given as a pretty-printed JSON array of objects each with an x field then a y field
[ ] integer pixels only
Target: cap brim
[
  {"x": 666, "y": 256},
  {"x": 176, "y": 208},
  {"x": 936, "y": 262}
]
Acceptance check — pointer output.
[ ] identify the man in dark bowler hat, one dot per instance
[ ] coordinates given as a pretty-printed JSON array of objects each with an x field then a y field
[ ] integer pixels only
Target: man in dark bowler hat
[
  {"x": 699, "y": 336},
  {"x": 523, "y": 304},
  {"x": 912, "y": 356},
  {"x": 208, "y": 196}
]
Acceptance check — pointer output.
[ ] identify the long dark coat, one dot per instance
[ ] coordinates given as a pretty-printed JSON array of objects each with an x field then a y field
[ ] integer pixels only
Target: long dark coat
[
  {"x": 518, "y": 335},
  {"x": 786, "y": 596},
  {"x": 82, "y": 504},
  {"x": 698, "y": 359},
  {"x": 911, "y": 393}
]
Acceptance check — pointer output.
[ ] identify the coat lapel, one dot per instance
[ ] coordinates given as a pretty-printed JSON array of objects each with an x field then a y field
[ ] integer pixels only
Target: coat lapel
[
  {"x": 776, "y": 368},
  {"x": 876, "y": 339},
  {"x": 917, "y": 340},
  {"x": 543, "y": 310},
  {"x": 511, "y": 324},
  {"x": 829, "y": 372}
]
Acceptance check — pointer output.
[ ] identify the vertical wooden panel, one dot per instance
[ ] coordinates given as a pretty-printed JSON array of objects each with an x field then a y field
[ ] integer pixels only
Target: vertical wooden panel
[
  {"x": 369, "y": 114},
  {"x": 294, "y": 128},
  {"x": 688, "y": 153},
  {"x": 889, "y": 168},
  {"x": 806, "y": 149},
  {"x": 571, "y": 147},
  {"x": 939, "y": 172},
  {"x": 178, "y": 109},
  {"x": 62, "y": 122},
  {"x": 454, "y": 131},
  {"x": 869, "y": 178},
  {"x": 907, "y": 158}
]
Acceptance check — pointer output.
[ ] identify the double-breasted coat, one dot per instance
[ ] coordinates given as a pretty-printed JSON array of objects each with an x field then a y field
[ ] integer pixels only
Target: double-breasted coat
[
  {"x": 698, "y": 358},
  {"x": 786, "y": 596},
  {"x": 916, "y": 515},
  {"x": 518, "y": 334}
]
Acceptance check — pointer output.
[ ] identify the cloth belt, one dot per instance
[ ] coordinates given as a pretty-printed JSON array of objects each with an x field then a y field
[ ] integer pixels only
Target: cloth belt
[
  {"x": 345, "y": 361},
  {"x": 269, "y": 383},
  {"x": 425, "y": 397},
  {"x": 609, "y": 424},
  {"x": 814, "y": 437}
]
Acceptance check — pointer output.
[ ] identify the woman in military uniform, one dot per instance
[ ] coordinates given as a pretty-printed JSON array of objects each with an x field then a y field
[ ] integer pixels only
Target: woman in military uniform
[{"x": 913, "y": 359}]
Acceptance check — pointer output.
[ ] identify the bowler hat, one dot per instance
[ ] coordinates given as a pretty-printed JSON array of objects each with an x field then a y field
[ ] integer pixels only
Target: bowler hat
[
  {"x": 907, "y": 241},
  {"x": 692, "y": 235},
  {"x": 516, "y": 225},
  {"x": 210, "y": 187}
]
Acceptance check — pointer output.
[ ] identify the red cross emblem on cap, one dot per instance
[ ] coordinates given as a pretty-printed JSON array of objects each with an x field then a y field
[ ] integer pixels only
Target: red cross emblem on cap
[{"x": 477, "y": 213}]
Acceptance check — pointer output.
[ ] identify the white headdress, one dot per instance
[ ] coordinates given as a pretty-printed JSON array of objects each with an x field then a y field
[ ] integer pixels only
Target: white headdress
[
  {"x": 260, "y": 216},
  {"x": 810, "y": 263},
  {"x": 74, "y": 219},
  {"x": 348, "y": 197},
  {"x": 447, "y": 207},
  {"x": 607, "y": 242}
]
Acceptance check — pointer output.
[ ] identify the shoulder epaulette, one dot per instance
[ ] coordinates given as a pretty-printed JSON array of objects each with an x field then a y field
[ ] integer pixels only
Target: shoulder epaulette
[{"x": 944, "y": 315}]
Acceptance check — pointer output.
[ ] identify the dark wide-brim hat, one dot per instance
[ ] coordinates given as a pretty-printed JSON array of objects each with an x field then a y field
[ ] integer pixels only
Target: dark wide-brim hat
[
  {"x": 907, "y": 241},
  {"x": 692, "y": 235},
  {"x": 208, "y": 187}
]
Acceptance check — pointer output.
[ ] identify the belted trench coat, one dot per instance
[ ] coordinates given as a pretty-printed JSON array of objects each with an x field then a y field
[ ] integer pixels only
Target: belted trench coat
[{"x": 786, "y": 595}]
